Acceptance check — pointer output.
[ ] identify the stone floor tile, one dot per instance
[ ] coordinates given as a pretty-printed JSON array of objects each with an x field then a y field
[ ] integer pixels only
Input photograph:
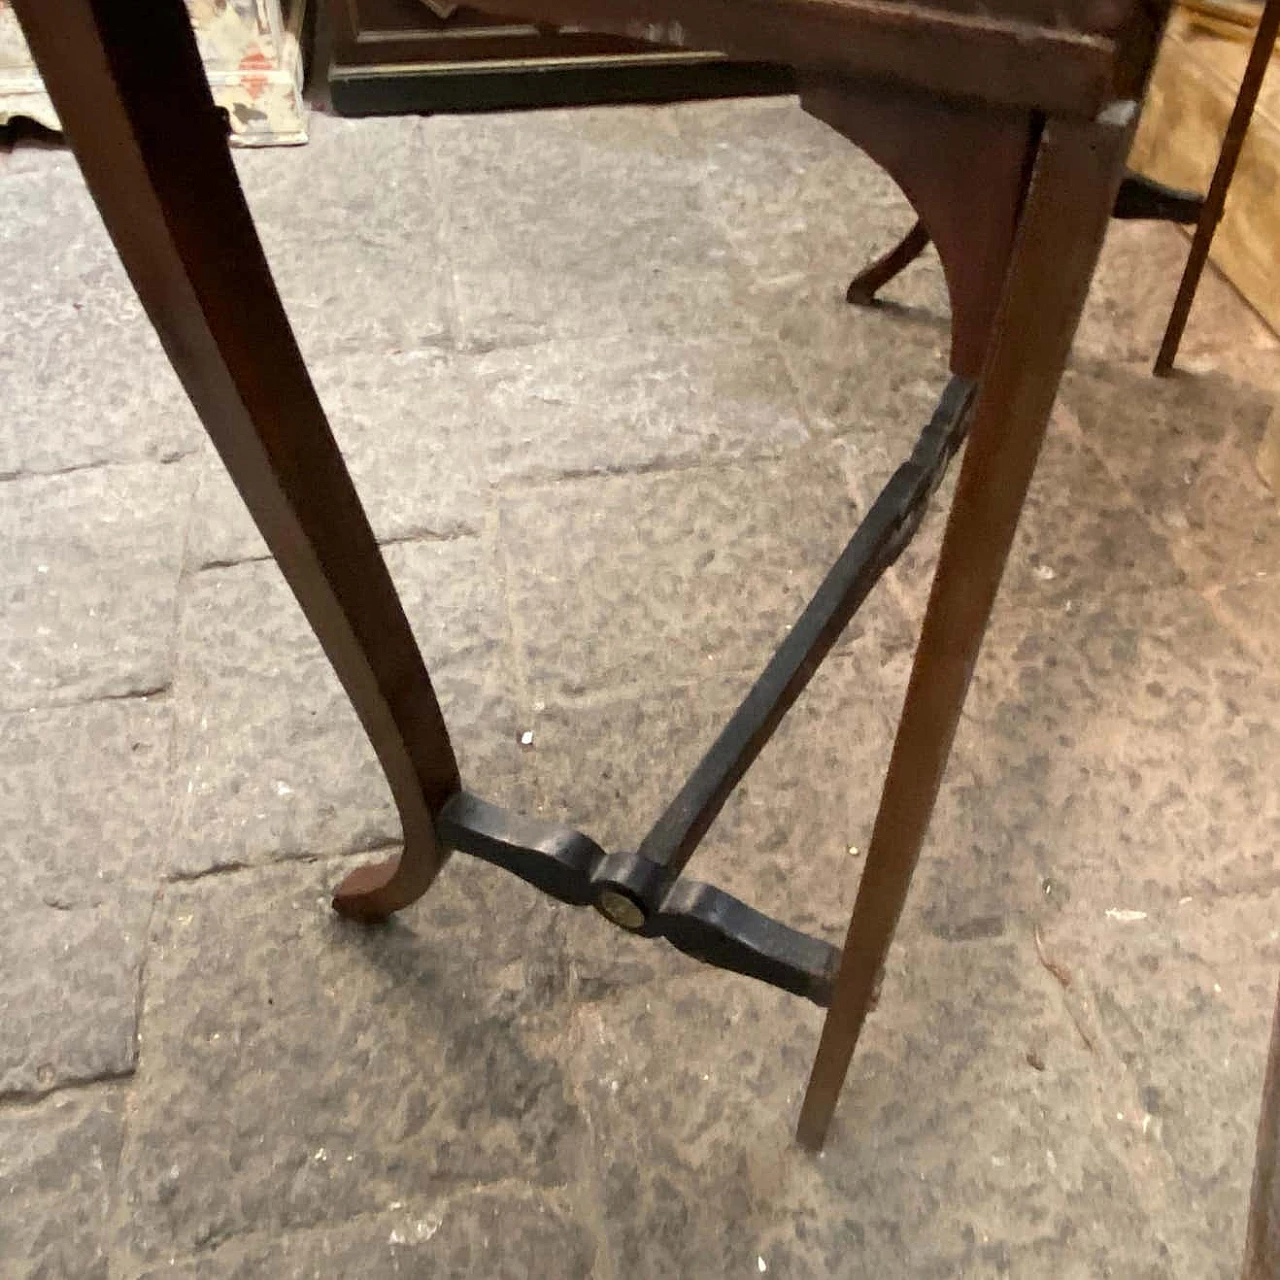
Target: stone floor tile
[
  {"x": 948, "y": 1155},
  {"x": 299, "y": 1070},
  {"x": 598, "y": 229},
  {"x": 405, "y": 425},
  {"x": 1058, "y": 560},
  {"x": 502, "y": 1235},
  {"x": 57, "y": 1174},
  {"x": 56, "y": 250},
  {"x": 619, "y": 581},
  {"x": 1058, "y": 557},
  {"x": 358, "y": 259},
  {"x": 1181, "y": 998},
  {"x": 494, "y": 1080},
  {"x": 632, "y": 402},
  {"x": 872, "y": 376},
  {"x": 96, "y": 370},
  {"x": 782, "y": 843},
  {"x": 85, "y": 800},
  {"x": 271, "y": 760},
  {"x": 89, "y": 564},
  {"x": 69, "y": 993},
  {"x": 798, "y": 200}
]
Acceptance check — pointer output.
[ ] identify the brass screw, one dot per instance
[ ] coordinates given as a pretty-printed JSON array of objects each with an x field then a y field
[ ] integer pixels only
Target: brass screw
[{"x": 620, "y": 909}]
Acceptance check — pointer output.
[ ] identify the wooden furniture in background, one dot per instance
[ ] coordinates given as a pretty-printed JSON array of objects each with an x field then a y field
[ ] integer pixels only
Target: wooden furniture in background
[
  {"x": 1194, "y": 90},
  {"x": 395, "y": 56},
  {"x": 252, "y": 55}
]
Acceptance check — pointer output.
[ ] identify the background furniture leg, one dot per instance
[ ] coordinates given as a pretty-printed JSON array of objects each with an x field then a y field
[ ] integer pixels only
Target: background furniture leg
[{"x": 1216, "y": 199}]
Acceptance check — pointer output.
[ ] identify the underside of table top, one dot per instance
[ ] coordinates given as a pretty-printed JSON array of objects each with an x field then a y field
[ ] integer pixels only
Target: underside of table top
[{"x": 1069, "y": 57}]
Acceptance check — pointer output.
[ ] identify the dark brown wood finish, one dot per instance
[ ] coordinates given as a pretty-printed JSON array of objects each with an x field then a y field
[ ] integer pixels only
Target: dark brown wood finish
[
  {"x": 1073, "y": 187},
  {"x": 127, "y": 82},
  {"x": 1262, "y": 1242}
]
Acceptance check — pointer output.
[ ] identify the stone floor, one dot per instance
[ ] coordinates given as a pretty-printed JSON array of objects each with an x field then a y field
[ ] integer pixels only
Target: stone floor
[{"x": 612, "y": 419}]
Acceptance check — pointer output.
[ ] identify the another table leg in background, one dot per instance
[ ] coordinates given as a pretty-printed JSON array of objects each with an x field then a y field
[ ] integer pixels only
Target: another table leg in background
[
  {"x": 1216, "y": 199},
  {"x": 127, "y": 82},
  {"x": 1073, "y": 187}
]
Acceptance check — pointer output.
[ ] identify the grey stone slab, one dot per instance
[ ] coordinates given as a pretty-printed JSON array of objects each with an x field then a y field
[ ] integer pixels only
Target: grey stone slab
[
  {"x": 1132, "y": 294},
  {"x": 1181, "y": 999},
  {"x": 407, "y": 426},
  {"x": 507, "y": 1235},
  {"x": 85, "y": 800},
  {"x": 798, "y": 200},
  {"x": 57, "y": 1174},
  {"x": 84, "y": 379},
  {"x": 351, "y": 226},
  {"x": 1129, "y": 750},
  {"x": 300, "y": 1070},
  {"x": 569, "y": 223},
  {"x": 69, "y": 993},
  {"x": 271, "y": 760},
  {"x": 56, "y": 249},
  {"x": 89, "y": 564},
  {"x": 950, "y": 1155},
  {"x": 1234, "y": 525},
  {"x": 87, "y": 383},
  {"x": 632, "y": 402},
  {"x": 974, "y": 879},
  {"x": 1183, "y": 447},
  {"x": 618, "y": 581}
]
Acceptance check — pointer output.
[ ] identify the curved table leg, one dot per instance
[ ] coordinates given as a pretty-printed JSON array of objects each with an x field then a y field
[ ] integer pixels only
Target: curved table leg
[
  {"x": 127, "y": 82},
  {"x": 1073, "y": 187},
  {"x": 871, "y": 279}
]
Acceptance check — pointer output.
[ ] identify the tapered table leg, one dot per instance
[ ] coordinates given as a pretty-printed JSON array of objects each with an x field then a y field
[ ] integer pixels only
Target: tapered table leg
[
  {"x": 1073, "y": 187},
  {"x": 1262, "y": 1243},
  {"x": 128, "y": 85}
]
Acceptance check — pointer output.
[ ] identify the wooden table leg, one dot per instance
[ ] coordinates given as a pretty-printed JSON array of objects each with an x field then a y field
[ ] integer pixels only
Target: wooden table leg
[
  {"x": 128, "y": 85},
  {"x": 1262, "y": 1243},
  {"x": 1073, "y": 186}
]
